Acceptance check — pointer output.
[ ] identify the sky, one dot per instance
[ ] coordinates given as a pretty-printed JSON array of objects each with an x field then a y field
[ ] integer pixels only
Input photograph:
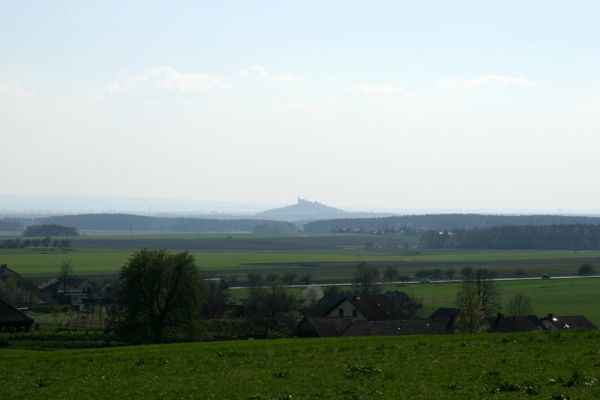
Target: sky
[{"x": 462, "y": 105}]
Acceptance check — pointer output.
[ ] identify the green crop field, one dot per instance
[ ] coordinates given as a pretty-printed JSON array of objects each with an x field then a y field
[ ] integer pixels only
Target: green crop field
[
  {"x": 538, "y": 365},
  {"x": 326, "y": 265}
]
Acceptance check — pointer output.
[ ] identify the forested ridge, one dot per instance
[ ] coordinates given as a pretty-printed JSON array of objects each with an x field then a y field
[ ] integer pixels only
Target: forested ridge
[
  {"x": 550, "y": 237},
  {"x": 128, "y": 222},
  {"x": 408, "y": 223}
]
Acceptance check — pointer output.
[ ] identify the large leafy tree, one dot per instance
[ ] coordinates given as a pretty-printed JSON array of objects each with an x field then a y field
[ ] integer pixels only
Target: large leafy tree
[{"x": 159, "y": 292}]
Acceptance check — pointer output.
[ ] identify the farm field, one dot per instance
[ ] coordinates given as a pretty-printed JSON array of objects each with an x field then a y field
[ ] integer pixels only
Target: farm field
[
  {"x": 559, "y": 296},
  {"x": 324, "y": 265},
  {"x": 326, "y": 257},
  {"x": 489, "y": 366}
]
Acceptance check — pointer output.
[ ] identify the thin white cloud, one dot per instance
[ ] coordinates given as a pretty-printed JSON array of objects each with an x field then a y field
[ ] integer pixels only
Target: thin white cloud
[
  {"x": 167, "y": 78},
  {"x": 261, "y": 72},
  {"x": 253, "y": 70},
  {"x": 371, "y": 89},
  {"x": 488, "y": 80},
  {"x": 12, "y": 91},
  {"x": 170, "y": 79}
]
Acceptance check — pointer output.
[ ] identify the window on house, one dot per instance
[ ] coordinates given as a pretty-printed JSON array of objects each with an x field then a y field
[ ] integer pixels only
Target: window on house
[
  {"x": 340, "y": 312},
  {"x": 354, "y": 314}
]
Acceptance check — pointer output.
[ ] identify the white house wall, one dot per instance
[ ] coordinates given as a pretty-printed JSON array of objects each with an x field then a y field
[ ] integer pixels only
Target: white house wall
[{"x": 348, "y": 308}]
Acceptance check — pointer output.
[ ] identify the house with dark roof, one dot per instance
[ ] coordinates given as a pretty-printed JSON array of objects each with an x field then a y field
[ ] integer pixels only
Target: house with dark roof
[
  {"x": 376, "y": 307},
  {"x": 7, "y": 273},
  {"x": 444, "y": 312},
  {"x": 553, "y": 323},
  {"x": 12, "y": 319},
  {"x": 514, "y": 323},
  {"x": 334, "y": 327},
  {"x": 74, "y": 289},
  {"x": 400, "y": 327},
  {"x": 323, "y": 327}
]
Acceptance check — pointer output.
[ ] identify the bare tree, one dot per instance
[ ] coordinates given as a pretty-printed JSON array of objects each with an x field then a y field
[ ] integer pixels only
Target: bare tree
[
  {"x": 365, "y": 279},
  {"x": 66, "y": 270},
  {"x": 391, "y": 273},
  {"x": 519, "y": 304}
]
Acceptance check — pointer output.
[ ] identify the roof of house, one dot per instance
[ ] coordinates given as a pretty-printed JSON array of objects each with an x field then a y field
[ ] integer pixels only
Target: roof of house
[
  {"x": 56, "y": 284},
  {"x": 375, "y": 307},
  {"x": 567, "y": 322},
  {"x": 6, "y": 272},
  {"x": 10, "y": 314},
  {"x": 524, "y": 323},
  {"x": 398, "y": 327},
  {"x": 327, "y": 327},
  {"x": 444, "y": 312}
]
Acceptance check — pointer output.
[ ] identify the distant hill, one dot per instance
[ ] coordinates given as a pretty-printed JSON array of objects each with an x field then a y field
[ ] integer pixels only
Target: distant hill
[
  {"x": 305, "y": 210},
  {"x": 440, "y": 222}
]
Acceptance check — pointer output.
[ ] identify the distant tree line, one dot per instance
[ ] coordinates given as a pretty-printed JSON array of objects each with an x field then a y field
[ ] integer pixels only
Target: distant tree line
[
  {"x": 127, "y": 222},
  {"x": 50, "y": 230},
  {"x": 275, "y": 227},
  {"x": 10, "y": 224},
  {"x": 407, "y": 224},
  {"x": 559, "y": 237},
  {"x": 46, "y": 242}
]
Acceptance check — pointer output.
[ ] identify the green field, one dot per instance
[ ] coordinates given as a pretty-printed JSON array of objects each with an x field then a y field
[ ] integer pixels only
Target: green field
[
  {"x": 559, "y": 296},
  {"x": 325, "y": 265},
  {"x": 540, "y": 365}
]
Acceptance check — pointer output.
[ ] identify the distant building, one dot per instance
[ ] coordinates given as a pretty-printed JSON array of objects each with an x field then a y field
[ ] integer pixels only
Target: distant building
[
  {"x": 12, "y": 319},
  {"x": 73, "y": 290}
]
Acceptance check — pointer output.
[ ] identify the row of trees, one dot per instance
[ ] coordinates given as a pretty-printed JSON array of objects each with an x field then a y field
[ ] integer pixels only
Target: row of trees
[
  {"x": 28, "y": 243},
  {"x": 254, "y": 279},
  {"x": 50, "y": 230},
  {"x": 164, "y": 295}
]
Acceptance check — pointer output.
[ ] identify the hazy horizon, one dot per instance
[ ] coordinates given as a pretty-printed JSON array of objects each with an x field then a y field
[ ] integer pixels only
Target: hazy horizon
[
  {"x": 54, "y": 205},
  {"x": 462, "y": 106}
]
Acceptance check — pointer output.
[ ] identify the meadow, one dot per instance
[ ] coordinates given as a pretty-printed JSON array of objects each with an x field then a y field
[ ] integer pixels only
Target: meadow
[{"x": 539, "y": 365}]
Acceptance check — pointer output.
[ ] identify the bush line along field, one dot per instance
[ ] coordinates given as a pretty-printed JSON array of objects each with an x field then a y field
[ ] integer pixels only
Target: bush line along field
[{"x": 537, "y": 365}]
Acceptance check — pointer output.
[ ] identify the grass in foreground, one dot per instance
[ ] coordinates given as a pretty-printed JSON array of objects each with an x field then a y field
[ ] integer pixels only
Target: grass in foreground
[{"x": 540, "y": 365}]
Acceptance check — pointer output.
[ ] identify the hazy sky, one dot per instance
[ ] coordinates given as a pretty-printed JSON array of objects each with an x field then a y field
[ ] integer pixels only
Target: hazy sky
[{"x": 447, "y": 105}]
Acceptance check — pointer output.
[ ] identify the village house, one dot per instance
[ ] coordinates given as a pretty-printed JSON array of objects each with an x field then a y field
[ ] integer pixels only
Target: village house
[
  {"x": 71, "y": 291},
  {"x": 378, "y": 307}
]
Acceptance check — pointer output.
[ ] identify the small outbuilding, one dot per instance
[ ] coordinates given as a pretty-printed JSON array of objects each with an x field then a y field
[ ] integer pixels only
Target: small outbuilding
[{"x": 12, "y": 319}]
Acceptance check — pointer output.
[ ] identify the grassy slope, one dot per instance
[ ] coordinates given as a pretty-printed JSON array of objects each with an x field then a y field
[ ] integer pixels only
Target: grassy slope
[{"x": 535, "y": 366}]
